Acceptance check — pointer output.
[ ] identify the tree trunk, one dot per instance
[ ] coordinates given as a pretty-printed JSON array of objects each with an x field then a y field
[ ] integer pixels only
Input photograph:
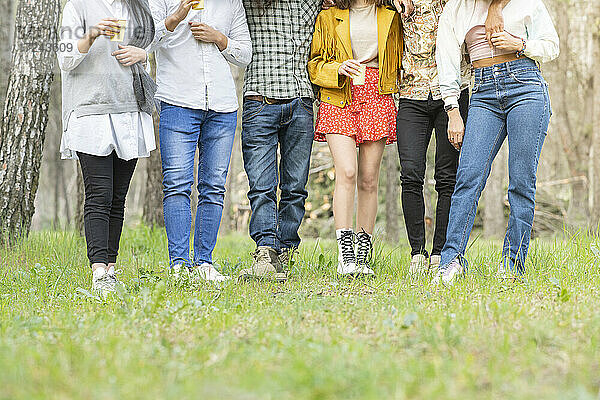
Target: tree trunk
[
  {"x": 153, "y": 206},
  {"x": 392, "y": 184},
  {"x": 594, "y": 173},
  {"x": 6, "y": 24},
  {"x": 26, "y": 114},
  {"x": 227, "y": 219},
  {"x": 493, "y": 197}
]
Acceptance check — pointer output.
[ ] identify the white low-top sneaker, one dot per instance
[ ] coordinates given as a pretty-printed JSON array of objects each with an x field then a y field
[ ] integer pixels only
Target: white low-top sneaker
[
  {"x": 180, "y": 274},
  {"x": 502, "y": 273},
  {"x": 449, "y": 275},
  {"x": 208, "y": 272},
  {"x": 418, "y": 265},
  {"x": 104, "y": 281},
  {"x": 434, "y": 263}
]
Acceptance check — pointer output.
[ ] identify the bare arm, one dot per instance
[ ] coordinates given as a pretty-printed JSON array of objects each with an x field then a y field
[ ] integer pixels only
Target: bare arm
[{"x": 495, "y": 22}]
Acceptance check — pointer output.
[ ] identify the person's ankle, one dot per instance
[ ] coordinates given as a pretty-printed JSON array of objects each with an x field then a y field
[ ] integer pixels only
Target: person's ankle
[{"x": 95, "y": 266}]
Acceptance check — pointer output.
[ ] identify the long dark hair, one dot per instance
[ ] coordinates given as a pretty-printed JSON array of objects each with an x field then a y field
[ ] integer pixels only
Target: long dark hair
[{"x": 345, "y": 4}]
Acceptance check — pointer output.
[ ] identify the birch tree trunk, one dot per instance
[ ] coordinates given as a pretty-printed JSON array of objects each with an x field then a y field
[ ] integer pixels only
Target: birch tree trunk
[
  {"x": 26, "y": 114},
  {"x": 6, "y": 23},
  {"x": 594, "y": 173}
]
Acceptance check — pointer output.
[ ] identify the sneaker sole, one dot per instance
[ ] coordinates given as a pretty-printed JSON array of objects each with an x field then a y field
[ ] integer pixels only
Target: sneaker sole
[
  {"x": 278, "y": 277},
  {"x": 357, "y": 275}
]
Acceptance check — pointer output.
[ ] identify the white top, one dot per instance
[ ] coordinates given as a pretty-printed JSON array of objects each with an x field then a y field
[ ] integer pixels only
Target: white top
[
  {"x": 527, "y": 19},
  {"x": 363, "y": 35},
  {"x": 130, "y": 135},
  {"x": 195, "y": 74}
]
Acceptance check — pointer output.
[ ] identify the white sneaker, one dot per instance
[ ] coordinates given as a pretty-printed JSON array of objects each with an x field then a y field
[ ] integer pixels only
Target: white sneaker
[
  {"x": 207, "y": 272},
  {"x": 449, "y": 275},
  {"x": 103, "y": 281},
  {"x": 418, "y": 265},
  {"x": 502, "y": 273},
  {"x": 434, "y": 263},
  {"x": 180, "y": 274}
]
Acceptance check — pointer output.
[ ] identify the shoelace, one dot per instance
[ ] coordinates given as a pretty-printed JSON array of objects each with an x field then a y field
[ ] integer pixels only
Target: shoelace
[
  {"x": 107, "y": 282},
  {"x": 364, "y": 248},
  {"x": 347, "y": 243}
]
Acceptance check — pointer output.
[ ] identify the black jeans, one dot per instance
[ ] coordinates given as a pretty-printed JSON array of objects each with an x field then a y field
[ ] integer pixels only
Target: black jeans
[
  {"x": 106, "y": 181},
  {"x": 415, "y": 123}
]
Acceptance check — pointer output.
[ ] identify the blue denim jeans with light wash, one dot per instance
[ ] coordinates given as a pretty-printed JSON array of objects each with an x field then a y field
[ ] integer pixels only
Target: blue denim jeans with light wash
[
  {"x": 182, "y": 131},
  {"x": 265, "y": 127},
  {"x": 509, "y": 100}
]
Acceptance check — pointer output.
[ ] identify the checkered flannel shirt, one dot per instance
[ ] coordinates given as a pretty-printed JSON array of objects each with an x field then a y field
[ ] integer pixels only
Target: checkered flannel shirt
[{"x": 281, "y": 39}]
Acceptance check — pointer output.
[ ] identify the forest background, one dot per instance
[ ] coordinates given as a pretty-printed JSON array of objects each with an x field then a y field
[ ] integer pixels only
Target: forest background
[{"x": 568, "y": 179}]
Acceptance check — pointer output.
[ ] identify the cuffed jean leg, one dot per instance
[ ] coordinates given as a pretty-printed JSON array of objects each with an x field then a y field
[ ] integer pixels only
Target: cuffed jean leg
[
  {"x": 527, "y": 123},
  {"x": 215, "y": 145},
  {"x": 260, "y": 129},
  {"x": 484, "y": 134},
  {"x": 296, "y": 139},
  {"x": 179, "y": 132}
]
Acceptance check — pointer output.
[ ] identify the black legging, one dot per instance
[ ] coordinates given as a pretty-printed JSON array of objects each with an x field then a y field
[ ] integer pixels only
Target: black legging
[
  {"x": 106, "y": 180},
  {"x": 417, "y": 119}
]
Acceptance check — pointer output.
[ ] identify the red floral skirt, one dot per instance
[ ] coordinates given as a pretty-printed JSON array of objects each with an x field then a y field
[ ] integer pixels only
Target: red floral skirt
[{"x": 370, "y": 118}]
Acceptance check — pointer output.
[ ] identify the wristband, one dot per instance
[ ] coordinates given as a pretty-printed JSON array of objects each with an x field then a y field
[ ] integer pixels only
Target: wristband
[
  {"x": 521, "y": 52},
  {"x": 450, "y": 107}
]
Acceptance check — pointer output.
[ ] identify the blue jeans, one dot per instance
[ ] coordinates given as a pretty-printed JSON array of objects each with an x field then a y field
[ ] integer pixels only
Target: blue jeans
[
  {"x": 265, "y": 127},
  {"x": 509, "y": 100},
  {"x": 182, "y": 130}
]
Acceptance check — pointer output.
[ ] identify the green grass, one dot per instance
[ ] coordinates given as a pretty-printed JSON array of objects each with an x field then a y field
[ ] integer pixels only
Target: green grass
[{"x": 314, "y": 337}]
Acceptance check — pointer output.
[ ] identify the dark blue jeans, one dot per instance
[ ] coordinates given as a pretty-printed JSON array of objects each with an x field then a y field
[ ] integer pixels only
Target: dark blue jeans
[
  {"x": 509, "y": 100},
  {"x": 182, "y": 130},
  {"x": 266, "y": 127}
]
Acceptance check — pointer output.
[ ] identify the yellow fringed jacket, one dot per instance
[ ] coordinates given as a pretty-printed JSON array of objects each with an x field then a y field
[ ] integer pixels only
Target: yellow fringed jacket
[{"x": 331, "y": 46}]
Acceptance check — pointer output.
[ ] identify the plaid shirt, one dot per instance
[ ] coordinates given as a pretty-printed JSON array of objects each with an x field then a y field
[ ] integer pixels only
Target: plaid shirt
[{"x": 281, "y": 38}]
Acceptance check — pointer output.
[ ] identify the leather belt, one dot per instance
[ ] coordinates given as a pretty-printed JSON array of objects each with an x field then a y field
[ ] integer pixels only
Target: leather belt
[{"x": 267, "y": 100}]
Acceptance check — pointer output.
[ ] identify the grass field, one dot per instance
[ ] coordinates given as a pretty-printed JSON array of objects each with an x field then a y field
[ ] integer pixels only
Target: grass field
[{"x": 314, "y": 337}]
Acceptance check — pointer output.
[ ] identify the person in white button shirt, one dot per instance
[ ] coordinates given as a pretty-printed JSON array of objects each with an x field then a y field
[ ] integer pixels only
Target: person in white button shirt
[
  {"x": 198, "y": 111},
  {"x": 107, "y": 122},
  {"x": 509, "y": 100}
]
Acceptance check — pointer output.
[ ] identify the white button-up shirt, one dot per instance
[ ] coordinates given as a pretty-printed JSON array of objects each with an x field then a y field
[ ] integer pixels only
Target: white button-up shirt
[
  {"x": 130, "y": 135},
  {"x": 195, "y": 74},
  {"x": 526, "y": 19}
]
